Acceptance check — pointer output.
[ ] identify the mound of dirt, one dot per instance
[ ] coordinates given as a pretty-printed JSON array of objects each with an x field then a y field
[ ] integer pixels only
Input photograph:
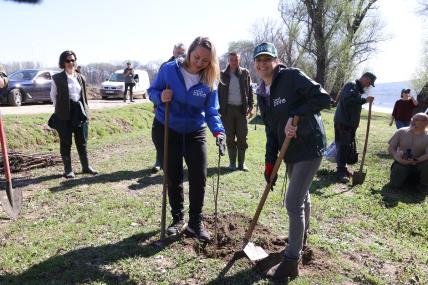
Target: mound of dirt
[{"x": 230, "y": 235}]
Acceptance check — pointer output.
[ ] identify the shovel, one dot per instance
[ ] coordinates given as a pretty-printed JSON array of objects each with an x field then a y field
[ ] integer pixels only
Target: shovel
[
  {"x": 165, "y": 170},
  {"x": 360, "y": 176},
  {"x": 11, "y": 199},
  {"x": 252, "y": 251}
]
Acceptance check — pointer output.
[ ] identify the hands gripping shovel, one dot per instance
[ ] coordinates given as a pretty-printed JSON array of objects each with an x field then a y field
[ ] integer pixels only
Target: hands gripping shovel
[
  {"x": 359, "y": 176},
  {"x": 11, "y": 199},
  {"x": 252, "y": 251}
]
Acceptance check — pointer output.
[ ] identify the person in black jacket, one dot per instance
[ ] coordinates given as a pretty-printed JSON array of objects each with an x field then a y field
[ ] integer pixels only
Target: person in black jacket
[
  {"x": 3, "y": 78},
  {"x": 285, "y": 93},
  {"x": 347, "y": 119},
  {"x": 68, "y": 94}
]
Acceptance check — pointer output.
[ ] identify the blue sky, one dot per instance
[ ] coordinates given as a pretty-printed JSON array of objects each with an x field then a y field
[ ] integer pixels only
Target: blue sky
[{"x": 116, "y": 30}]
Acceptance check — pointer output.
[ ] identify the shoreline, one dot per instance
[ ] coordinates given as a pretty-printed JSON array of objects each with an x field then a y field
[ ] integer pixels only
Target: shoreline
[{"x": 379, "y": 109}]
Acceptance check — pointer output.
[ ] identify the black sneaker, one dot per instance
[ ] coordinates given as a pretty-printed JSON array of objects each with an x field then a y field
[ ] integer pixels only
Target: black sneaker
[
  {"x": 176, "y": 227},
  {"x": 198, "y": 230},
  {"x": 342, "y": 178}
]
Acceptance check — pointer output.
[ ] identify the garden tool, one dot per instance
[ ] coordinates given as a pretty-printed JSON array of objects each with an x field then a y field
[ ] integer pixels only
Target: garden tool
[
  {"x": 360, "y": 176},
  {"x": 165, "y": 170},
  {"x": 11, "y": 199},
  {"x": 250, "y": 249},
  {"x": 221, "y": 152}
]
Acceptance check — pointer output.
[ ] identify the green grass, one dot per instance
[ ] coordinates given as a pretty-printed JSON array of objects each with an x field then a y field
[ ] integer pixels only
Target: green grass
[{"x": 99, "y": 230}]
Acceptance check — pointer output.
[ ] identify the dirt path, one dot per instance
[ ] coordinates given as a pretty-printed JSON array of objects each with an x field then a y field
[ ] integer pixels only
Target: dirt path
[{"x": 48, "y": 108}]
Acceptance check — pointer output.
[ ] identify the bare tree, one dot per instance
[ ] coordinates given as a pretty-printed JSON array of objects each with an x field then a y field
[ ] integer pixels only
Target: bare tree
[
  {"x": 358, "y": 40},
  {"x": 328, "y": 39}
]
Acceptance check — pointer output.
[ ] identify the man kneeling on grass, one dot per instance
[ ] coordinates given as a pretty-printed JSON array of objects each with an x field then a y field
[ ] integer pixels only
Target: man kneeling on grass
[{"x": 409, "y": 148}]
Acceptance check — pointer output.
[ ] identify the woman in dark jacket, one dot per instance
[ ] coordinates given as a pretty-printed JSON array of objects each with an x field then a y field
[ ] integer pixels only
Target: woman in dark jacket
[
  {"x": 285, "y": 93},
  {"x": 68, "y": 94}
]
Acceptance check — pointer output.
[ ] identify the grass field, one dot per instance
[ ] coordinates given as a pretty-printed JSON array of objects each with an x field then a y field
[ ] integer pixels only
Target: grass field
[{"x": 101, "y": 229}]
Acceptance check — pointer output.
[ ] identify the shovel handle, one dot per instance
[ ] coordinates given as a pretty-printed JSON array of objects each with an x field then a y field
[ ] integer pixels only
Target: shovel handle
[
  {"x": 4, "y": 151},
  {"x": 369, "y": 116},
  {"x": 165, "y": 169},
  {"x": 268, "y": 187}
]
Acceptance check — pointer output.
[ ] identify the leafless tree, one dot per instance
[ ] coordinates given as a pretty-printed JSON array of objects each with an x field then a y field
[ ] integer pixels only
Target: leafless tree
[
  {"x": 359, "y": 36},
  {"x": 328, "y": 39}
]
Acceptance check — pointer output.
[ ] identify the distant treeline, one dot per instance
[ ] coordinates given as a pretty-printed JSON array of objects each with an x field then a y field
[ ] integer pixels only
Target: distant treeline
[{"x": 95, "y": 73}]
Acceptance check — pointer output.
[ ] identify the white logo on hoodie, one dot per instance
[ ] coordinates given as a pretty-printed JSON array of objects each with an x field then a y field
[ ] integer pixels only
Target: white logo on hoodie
[
  {"x": 199, "y": 93},
  {"x": 279, "y": 101}
]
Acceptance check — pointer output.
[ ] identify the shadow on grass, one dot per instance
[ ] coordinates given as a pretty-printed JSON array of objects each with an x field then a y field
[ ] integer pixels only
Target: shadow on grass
[
  {"x": 392, "y": 196},
  {"x": 383, "y": 155},
  {"x": 247, "y": 276},
  {"x": 89, "y": 264},
  {"x": 325, "y": 177},
  {"x": 24, "y": 181},
  {"x": 117, "y": 176},
  {"x": 146, "y": 178}
]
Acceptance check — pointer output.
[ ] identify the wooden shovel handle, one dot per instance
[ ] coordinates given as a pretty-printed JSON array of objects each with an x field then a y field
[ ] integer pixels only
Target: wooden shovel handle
[
  {"x": 268, "y": 187},
  {"x": 369, "y": 116},
  {"x": 165, "y": 169}
]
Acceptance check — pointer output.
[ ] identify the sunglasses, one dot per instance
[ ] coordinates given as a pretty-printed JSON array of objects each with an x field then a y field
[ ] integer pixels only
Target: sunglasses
[{"x": 70, "y": 60}]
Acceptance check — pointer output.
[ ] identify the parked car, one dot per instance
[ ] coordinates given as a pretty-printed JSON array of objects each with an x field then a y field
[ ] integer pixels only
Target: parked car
[
  {"x": 115, "y": 84},
  {"x": 27, "y": 85}
]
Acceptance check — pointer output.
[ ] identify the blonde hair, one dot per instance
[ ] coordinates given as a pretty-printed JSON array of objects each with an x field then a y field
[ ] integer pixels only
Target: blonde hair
[{"x": 211, "y": 74}]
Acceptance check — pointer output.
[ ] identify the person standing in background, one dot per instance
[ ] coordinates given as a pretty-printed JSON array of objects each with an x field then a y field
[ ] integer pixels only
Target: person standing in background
[
  {"x": 236, "y": 102},
  {"x": 347, "y": 120},
  {"x": 403, "y": 109},
  {"x": 68, "y": 94},
  {"x": 3, "y": 78},
  {"x": 128, "y": 74}
]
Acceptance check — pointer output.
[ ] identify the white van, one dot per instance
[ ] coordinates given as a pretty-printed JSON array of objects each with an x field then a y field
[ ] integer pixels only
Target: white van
[{"x": 115, "y": 85}]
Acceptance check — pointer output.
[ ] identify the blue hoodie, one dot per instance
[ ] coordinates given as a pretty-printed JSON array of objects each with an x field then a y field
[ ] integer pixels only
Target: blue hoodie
[{"x": 190, "y": 110}]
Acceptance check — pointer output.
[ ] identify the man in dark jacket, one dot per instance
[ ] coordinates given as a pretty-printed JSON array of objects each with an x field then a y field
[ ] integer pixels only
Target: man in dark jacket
[
  {"x": 285, "y": 93},
  {"x": 236, "y": 102},
  {"x": 347, "y": 119},
  {"x": 3, "y": 78}
]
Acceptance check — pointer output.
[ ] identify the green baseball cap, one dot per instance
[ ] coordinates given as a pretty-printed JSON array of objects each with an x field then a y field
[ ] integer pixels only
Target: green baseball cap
[
  {"x": 370, "y": 76},
  {"x": 265, "y": 48}
]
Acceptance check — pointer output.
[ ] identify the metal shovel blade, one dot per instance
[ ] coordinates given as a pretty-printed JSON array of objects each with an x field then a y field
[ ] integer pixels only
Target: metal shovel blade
[
  {"x": 11, "y": 200},
  {"x": 358, "y": 178},
  {"x": 254, "y": 252}
]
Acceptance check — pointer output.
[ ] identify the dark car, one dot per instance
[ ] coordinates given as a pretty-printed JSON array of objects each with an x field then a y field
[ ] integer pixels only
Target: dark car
[{"x": 27, "y": 85}]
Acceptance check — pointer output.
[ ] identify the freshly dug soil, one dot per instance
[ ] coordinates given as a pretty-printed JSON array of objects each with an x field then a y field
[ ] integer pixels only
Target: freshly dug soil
[{"x": 230, "y": 235}]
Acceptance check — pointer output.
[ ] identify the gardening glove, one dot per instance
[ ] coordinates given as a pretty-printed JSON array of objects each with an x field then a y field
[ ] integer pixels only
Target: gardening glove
[
  {"x": 220, "y": 140},
  {"x": 268, "y": 172}
]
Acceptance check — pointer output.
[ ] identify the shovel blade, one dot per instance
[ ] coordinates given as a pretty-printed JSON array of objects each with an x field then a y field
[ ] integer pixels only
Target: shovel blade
[
  {"x": 11, "y": 200},
  {"x": 358, "y": 178},
  {"x": 254, "y": 252}
]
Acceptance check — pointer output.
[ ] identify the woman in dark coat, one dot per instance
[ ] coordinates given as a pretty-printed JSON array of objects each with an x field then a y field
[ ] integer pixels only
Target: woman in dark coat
[{"x": 68, "y": 94}]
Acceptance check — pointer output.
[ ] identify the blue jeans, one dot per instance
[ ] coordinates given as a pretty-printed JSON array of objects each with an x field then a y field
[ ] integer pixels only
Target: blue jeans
[{"x": 401, "y": 124}]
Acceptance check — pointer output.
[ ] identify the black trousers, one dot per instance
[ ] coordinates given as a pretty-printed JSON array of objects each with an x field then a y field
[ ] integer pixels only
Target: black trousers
[
  {"x": 193, "y": 148},
  {"x": 80, "y": 130},
  {"x": 343, "y": 137},
  {"x": 129, "y": 86}
]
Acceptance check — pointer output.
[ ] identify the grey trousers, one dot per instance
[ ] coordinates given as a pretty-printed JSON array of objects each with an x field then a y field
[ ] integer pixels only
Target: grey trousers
[
  {"x": 235, "y": 124},
  {"x": 298, "y": 203}
]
